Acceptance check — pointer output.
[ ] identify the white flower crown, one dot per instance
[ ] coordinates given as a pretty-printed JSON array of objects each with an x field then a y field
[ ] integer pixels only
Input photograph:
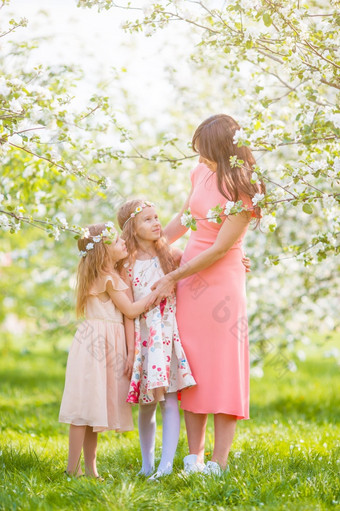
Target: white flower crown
[
  {"x": 109, "y": 232},
  {"x": 139, "y": 209}
]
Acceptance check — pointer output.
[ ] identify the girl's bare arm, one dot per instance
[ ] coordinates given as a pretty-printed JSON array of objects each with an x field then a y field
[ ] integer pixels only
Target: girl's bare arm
[
  {"x": 125, "y": 305},
  {"x": 129, "y": 326}
]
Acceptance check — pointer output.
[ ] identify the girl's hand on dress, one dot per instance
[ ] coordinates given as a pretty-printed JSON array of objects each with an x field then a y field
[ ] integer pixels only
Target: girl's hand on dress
[
  {"x": 163, "y": 287},
  {"x": 129, "y": 366},
  {"x": 247, "y": 263}
]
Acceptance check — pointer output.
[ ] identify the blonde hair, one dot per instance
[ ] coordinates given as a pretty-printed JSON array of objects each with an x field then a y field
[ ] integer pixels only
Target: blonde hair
[
  {"x": 95, "y": 263},
  {"x": 162, "y": 248}
]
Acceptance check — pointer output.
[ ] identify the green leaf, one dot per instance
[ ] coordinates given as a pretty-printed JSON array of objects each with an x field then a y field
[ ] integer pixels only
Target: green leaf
[
  {"x": 267, "y": 19},
  {"x": 307, "y": 208}
]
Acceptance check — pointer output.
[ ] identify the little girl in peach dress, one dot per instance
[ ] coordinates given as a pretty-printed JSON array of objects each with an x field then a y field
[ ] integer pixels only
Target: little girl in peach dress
[{"x": 99, "y": 368}]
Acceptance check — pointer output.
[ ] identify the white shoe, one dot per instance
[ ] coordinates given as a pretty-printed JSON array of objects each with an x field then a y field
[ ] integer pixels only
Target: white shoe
[
  {"x": 190, "y": 464},
  {"x": 146, "y": 474},
  {"x": 212, "y": 468},
  {"x": 161, "y": 472}
]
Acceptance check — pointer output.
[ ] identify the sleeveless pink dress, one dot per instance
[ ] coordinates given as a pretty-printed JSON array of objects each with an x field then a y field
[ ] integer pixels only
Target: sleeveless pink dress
[{"x": 212, "y": 315}]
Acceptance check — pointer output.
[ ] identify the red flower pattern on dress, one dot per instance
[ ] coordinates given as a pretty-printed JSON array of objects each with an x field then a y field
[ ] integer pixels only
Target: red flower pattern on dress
[{"x": 133, "y": 395}]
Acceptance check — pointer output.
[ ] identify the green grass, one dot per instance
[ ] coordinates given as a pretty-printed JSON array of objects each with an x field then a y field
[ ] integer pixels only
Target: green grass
[{"x": 286, "y": 457}]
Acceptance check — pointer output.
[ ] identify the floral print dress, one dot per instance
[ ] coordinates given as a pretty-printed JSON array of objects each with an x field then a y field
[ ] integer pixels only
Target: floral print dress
[{"x": 160, "y": 363}]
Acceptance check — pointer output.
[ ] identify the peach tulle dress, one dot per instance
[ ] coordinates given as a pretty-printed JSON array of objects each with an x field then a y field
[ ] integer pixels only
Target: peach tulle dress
[
  {"x": 212, "y": 314},
  {"x": 95, "y": 385}
]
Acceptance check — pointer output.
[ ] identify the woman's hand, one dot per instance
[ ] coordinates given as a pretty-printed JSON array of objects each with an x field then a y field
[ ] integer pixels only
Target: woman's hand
[
  {"x": 129, "y": 365},
  {"x": 247, "y": 263},
  {"x": 163, "y": 288}
]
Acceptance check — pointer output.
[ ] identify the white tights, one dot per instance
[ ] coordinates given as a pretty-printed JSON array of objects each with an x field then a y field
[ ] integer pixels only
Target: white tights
[{"x": 147, "y": 433}]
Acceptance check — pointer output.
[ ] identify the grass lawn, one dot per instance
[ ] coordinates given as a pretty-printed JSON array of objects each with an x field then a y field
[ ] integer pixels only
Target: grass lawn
[{"x": 286, "y": 457}]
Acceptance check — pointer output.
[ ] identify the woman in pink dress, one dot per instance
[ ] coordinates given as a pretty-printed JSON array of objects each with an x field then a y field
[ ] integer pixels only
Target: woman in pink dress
[{"x": 211, "y": 298}]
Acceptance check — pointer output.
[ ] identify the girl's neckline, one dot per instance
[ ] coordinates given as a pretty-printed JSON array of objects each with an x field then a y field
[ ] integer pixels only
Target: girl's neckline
[{"x": 149, "y": 259}]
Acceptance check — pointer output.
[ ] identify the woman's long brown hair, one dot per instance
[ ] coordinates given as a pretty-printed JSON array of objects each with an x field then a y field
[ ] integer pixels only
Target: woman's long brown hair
[
  {"x": 214, "y": 141},
  {"x": 94, "y": 264},
  {"x": 128, "y": 227}
]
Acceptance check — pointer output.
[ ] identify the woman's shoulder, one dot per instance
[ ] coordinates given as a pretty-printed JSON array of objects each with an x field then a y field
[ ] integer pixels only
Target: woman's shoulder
[{"x": 199, "y": 170}]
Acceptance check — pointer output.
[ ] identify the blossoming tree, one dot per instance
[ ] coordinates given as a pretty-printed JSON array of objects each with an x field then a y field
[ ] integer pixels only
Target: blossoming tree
[{"x": 275, "y": 68}]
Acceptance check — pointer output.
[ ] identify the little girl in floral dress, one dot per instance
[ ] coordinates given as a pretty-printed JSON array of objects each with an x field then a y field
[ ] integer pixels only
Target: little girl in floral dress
[
  {"x": 160, "y": 367},
  {"x": 98, "y": 369}
]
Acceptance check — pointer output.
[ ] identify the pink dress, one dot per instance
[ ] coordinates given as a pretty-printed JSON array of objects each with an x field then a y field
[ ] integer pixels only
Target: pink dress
[
  {"x": 95, "y": 384},
  {"x": 212, "y": 315}
]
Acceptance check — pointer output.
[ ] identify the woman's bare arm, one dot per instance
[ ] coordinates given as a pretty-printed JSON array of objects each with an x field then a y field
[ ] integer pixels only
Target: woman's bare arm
[
  {"x": 229, "y": 233},
  {"x": 175, "y": 229}
]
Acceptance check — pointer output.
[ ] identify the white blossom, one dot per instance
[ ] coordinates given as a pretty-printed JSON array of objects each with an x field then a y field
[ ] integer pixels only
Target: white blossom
[
  {"x": 4, "y": 148},
  {"x": 96, "y": 239},
  {"x": 110, "y": 225},
  {"x": 336, "y": 165},
  {"x": 186, "y": 219},
  {"x": 212, "y": 216},
  {"x": 15, "y": 139},
  {"x": 85, "y": 232},
  {"x": 329, "y": 202},
  {"x": 77, "y": 164},
  {"x": 292, "y": 367},
  {"x": 257, "y": 198},
  {"x": 108, "y": 182},
  {"x": 4, "y": 222},
  {"x": 153, "y": 152},
  {"x": 268, "y": 222},
  {"x": 147, "y": 10},
  {"x": 4, "y": 89},
  {"x": 301, "y": 355},
  {"x": 15, "y": 106},
  {"x": 334, "y": 118},
  {"x": 55, "y": 156},
  {"x": 62, "y": 220},
  {"x": 29, "y": 171},
  {"x": 309, "y": 117},
  {"x": 256, "y": 372},
  {"x": 229, "y": 205},
  {"x": 56, "y": 233},
  {"x": 169, "y": 136},
  {"x": 239, "y": 136},
  {"x": 89, "y": 246}
]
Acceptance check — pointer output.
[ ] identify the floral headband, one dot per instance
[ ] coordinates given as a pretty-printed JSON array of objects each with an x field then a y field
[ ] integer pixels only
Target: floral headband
[
  {"x": 139, "y": 209},
  {"x": 109, "y": 232}
]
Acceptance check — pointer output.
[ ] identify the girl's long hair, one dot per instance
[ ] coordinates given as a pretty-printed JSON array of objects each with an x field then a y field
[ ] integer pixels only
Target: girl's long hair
[
  {"x": 162, "y": 247},
  {"x": 95, "y": 263},
  {"x": 214, "y": 141}
]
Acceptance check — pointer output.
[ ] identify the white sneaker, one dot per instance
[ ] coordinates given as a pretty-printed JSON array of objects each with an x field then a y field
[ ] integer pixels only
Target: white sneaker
[
  {"x": 146, "y": 474},
  {"x": 190, "y": 464},
  {"x": 212, "y": 468},
  {"x": 161, "y": 472}
]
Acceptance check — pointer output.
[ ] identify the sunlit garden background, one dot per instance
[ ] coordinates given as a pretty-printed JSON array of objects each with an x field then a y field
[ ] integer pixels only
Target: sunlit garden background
[{"x": 98, "y": 103}]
